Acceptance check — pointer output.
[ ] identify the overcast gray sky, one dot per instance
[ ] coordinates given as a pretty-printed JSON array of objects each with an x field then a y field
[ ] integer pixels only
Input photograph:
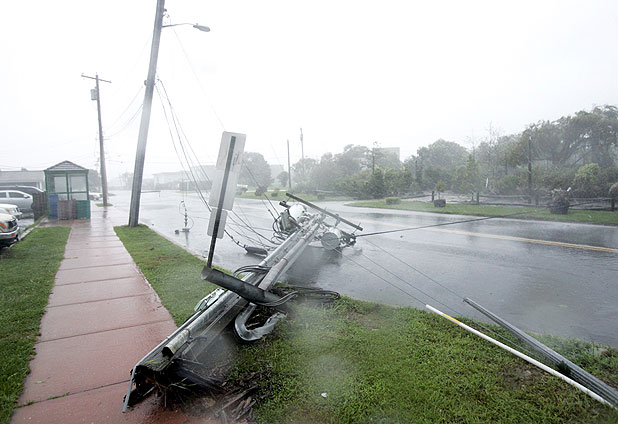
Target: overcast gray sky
[{"x": 401, "y": 73}]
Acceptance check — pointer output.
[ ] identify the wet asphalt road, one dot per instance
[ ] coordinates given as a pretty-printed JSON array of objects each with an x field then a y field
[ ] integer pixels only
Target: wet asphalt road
[{"x": 543, "y": 277}]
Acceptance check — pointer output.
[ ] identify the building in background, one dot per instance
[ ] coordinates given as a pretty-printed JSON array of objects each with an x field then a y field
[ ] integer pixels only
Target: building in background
[
  {"x": 37, "y": 179},
  {"x": 23, "y": 178}
]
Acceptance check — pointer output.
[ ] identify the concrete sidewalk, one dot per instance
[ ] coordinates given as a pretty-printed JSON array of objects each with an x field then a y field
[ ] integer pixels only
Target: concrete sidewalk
[{"x": 102, "y": 318}]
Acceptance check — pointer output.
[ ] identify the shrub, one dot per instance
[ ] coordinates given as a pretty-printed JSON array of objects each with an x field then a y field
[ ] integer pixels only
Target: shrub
[
  {"x": 549, "y": 179},
  {"x": 260, "y": 190},
  {"x": 586, "y": 181},
  {"x": 393, "y": 200},
  {"x": 559, "y": 201},
  {"x": 509, "y": 184},
  {"x": 440, "y": 187},
  {"x": 376, "y": 187},
  {"x": 613, "y": 191}
]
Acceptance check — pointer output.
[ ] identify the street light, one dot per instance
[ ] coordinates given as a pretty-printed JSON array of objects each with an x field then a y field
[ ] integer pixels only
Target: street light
[
  {"x": 196, "y": 26},
  {"x": 138, "y": 173}
]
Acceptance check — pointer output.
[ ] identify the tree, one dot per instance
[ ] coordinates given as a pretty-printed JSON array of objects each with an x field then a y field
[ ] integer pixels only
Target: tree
[
  {"x": 356, "y": 185},
  {"x": 613, "y": 191},
  {"x": 376, "y": 186},
  {"x": 440, "y": 187},
  {"x": 404, "y": 181},
  {"x": 255, "y": 170},
  {"x": 325, "y": 173},
  {"x": 432, "y": 175},
  {"x": 586, "y": 181},
  {"x": 585, "y": 137},
  {"x": 302, "y": 169},
  {"x": 442, "y": 154},
  {"x": 438, "y": 161},
  {"x": 283, "y": 178},
  {"x": 387, "y": 160},
  {"x": 467, "y": 178},
  {"x": 413, "y": 163},
  {"x": 353, "y": 160}
]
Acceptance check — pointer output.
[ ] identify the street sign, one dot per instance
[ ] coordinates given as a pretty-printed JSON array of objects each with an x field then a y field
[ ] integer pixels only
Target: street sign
[
  {"x": 223, "y": 190},
  {"x": 211, "y": 222},
  {"x": 232, "y": 179}
]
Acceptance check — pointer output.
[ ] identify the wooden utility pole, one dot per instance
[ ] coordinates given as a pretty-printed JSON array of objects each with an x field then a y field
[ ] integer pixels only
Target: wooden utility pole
[
  {"x": 289, "y": 169},
  {"x": 302, "y": 153},
  {"x": 142, "y": 138},
  {"x": 529, "y": 169},
  {"x": 96, "y": 95}
]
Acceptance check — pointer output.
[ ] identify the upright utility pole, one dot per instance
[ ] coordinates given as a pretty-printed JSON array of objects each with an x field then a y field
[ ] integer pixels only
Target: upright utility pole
[
  {"x": 373, "y": 160},
  {"x": 529, "y": 169},
  {"x": 289, "y": 169},
  {"x": 302, "y": 152},
  {"x": 140, "y": 155},
  {"x": 97, "y": 95}
]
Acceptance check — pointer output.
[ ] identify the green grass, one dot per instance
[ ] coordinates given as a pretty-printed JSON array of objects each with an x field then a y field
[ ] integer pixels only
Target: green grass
[
  {"x": 172, "y": 271},
  {"x": 27, "y": 274},
  {"x": 101, "y": 205},
  {"x": 282, "y": 196},
  {"x": 381, "y": 364},
  {"x": 591, "y": 217}
]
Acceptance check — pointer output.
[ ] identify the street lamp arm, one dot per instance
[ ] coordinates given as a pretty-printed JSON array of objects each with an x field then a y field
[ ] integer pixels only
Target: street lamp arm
[
  {"x": 140, "y": 154},
  {"x": 196, "y": 26}
]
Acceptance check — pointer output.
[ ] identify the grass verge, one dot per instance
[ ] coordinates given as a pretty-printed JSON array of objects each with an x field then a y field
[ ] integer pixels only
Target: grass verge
[
  {"x": 281, "y": 196},
  {"x": 590, "y": 217},
  {"x": 28, "y": 271},
  {"x": 172, "y": 271},
  {"x": 101, "y": 205},
  {"x": 379, "y": 364}
]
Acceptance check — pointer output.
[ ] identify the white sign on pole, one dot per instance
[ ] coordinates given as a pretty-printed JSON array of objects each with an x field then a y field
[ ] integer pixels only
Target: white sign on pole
[
  {"x": 211, "y": 222},
  {"x": 234, "y": 172}
]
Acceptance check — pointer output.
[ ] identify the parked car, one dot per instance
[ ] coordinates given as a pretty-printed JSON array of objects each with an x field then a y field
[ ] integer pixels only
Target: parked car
[
  {"x": 19, "y": 198},
  {"x": 11, "y": 210},
  {"x": 9, "y": 230},
  {"x": 33, "y": 191},
  {"x": 96, "y": 196}
]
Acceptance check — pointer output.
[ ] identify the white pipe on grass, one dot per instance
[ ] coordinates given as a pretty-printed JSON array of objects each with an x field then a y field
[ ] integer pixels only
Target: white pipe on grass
[{"x": 524, "y": 357}]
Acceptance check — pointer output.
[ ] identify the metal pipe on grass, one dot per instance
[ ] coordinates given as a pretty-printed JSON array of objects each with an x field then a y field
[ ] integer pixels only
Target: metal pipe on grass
[
  {"x": 524, "y": 357},
  {"x": 577, "y": 373}
]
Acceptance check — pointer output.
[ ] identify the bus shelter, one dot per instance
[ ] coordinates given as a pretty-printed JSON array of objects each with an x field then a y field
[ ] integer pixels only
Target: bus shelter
[{"x": 67, "y": 191}]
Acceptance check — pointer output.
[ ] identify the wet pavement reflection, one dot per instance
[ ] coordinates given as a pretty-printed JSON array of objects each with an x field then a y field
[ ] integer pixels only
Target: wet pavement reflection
[{"x": 557, "y": 289}]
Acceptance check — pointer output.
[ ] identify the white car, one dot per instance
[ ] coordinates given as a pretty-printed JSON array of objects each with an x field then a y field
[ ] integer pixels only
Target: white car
[
  {"x": 11, "y": 210},
  {"x": 19, "y": 198},
  {"x": 9, "y": 230}
]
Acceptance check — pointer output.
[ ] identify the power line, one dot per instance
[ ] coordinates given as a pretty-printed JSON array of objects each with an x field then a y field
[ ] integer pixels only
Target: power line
[
  {"x": 182, "y": 48},
  {"x": 127, "y": 108},
  {"x": 128, "y": 122},
  {"x": 512, "y": 343},
  {"x": 192, "y": 177}
]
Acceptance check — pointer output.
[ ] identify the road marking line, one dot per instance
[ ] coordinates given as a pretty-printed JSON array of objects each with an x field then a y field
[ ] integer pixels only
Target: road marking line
[{"x": 527, "y": 240}]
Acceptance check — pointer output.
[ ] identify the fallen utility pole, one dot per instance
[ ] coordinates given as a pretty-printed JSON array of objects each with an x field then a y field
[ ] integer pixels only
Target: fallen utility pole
[
  {"x": 574, "y": 371},
  {"x": 178, "y": 357},
  {"x": 526, "y": 358},
  {"x": 179, "y": 360},
  {"x": 324, "y": 211}
]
